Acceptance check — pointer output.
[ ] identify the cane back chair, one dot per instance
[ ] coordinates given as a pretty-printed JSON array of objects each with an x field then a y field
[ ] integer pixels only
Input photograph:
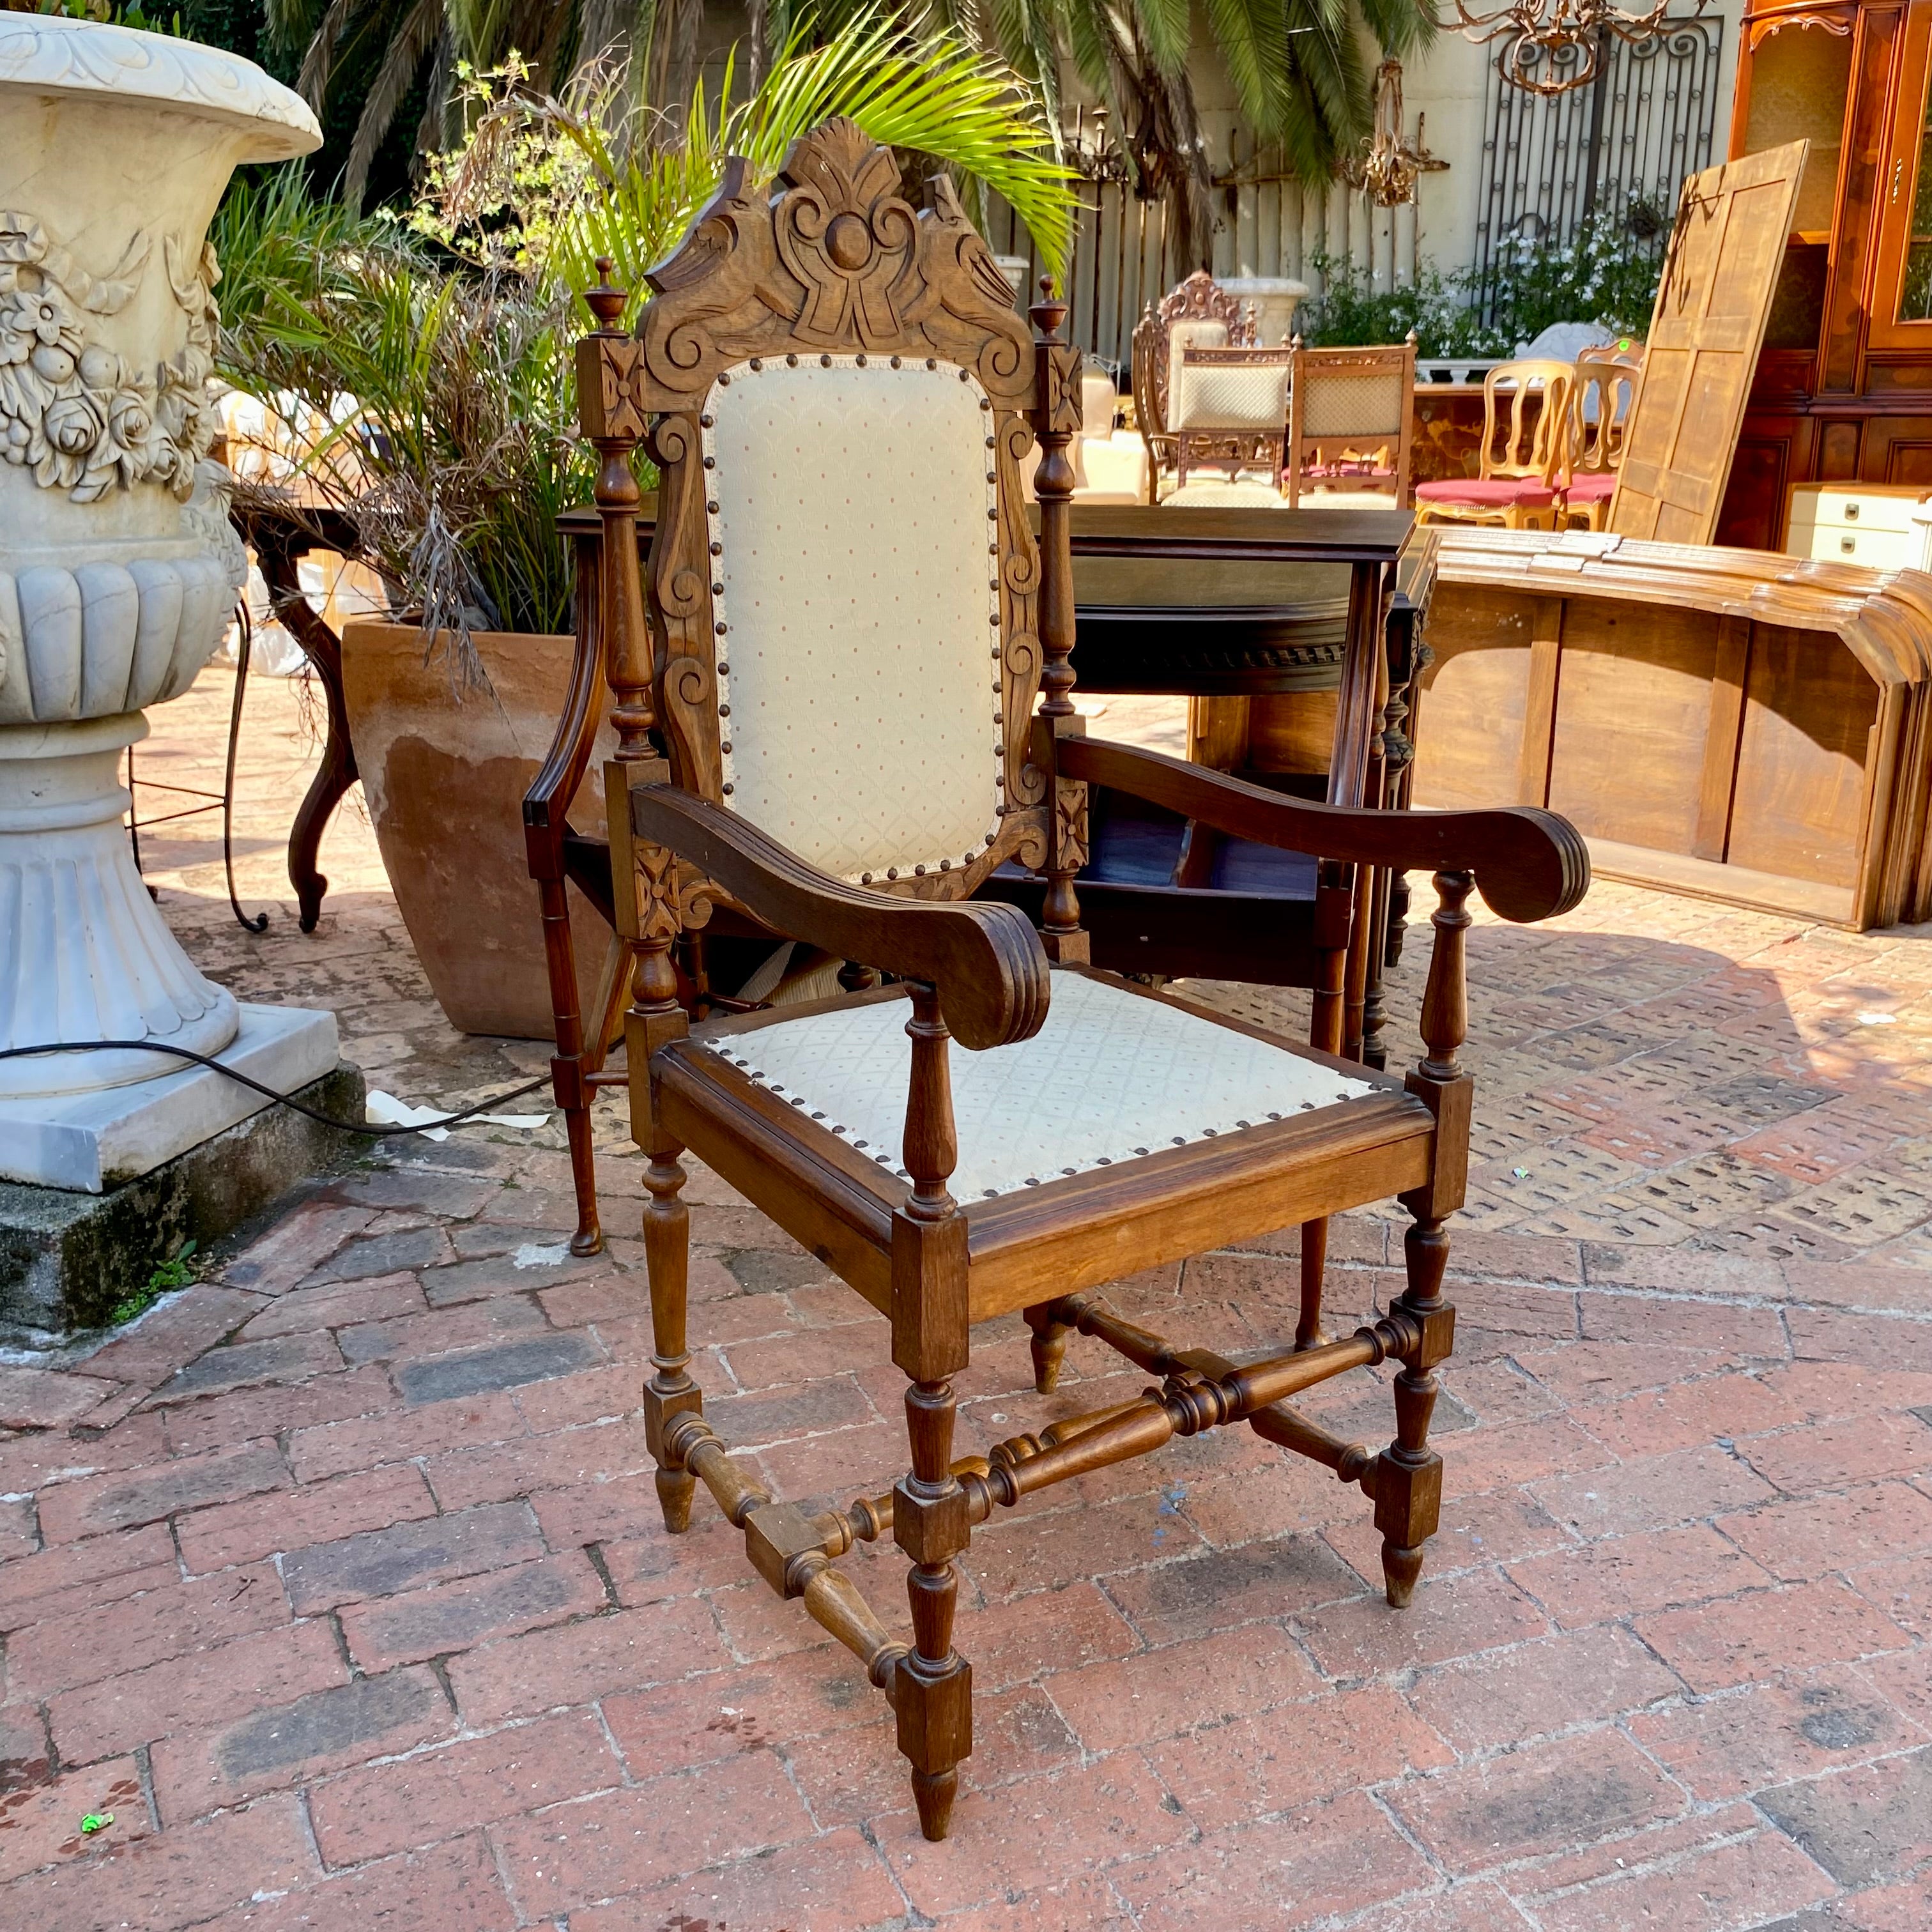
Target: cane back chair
[
  {"x": 830, "y": 724},
  {"x": 1351, "y": 421}
]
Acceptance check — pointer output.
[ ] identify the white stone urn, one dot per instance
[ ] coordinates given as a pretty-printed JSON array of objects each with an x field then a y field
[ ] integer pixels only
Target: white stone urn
[
  {"x": 118, "y": 568},
  {"x": 1276, "y": 298}
]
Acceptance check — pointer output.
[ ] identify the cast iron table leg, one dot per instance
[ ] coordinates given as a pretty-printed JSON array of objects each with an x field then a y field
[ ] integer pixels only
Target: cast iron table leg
[{"x": 323, "y": 649}]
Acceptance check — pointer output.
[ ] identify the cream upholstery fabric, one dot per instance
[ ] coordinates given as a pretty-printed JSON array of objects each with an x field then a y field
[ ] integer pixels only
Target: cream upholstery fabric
[
  {"x": 1195, "y": 332},
  {"x": 1110, "y": 469},
  {"x": 1225, "y": 493},
  {"x": 1229, "y": 395},
  {"x": 1113, "y": 1074},
  {"x": 858, "y": 655},
  {"x": 1339, "y": 404},
  {"x": 1098, "y": 399}
]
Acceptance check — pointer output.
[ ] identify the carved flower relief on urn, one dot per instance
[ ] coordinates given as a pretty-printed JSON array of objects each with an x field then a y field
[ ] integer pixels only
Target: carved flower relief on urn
[{"x": 118, "y": 566}]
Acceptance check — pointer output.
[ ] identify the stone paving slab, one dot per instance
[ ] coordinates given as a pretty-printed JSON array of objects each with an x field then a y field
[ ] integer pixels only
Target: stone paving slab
[{"x": 339, "y": 1578}]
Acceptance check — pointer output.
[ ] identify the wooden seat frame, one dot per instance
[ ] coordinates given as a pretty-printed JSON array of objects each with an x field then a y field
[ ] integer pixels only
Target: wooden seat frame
[{"x": 829, "y": 258}]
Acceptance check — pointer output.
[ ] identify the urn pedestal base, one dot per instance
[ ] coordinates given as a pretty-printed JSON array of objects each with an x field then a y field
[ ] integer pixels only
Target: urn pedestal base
[
  {"x": 90, "y": 1141},
  {"x": 68, "y": 1259},
  {"x": 85, "y": 954}
]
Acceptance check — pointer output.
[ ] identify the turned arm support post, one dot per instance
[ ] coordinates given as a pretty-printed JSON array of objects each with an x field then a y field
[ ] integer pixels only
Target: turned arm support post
[{"x": 1055, "y": 417}]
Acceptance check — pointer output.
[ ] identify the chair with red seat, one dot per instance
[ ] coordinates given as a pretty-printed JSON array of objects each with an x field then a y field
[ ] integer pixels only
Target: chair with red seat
[
  {"x": 1523, "y": 482},
  {"x": 1607, "y": 381}
]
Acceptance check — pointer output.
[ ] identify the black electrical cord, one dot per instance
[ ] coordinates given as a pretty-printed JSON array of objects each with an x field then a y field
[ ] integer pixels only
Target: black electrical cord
[{"x": 280, "y": 1099}]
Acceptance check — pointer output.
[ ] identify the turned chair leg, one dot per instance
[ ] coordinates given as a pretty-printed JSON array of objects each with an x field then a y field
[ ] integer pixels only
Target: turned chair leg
[
  {"x": 1309, "y": 1333},
  {"x": 1049, "y": 1346},
  {"x": 1409, "y": 1473},
  {"x": 933, "y": 1694},
  {"x": 670, "y": 1390}
]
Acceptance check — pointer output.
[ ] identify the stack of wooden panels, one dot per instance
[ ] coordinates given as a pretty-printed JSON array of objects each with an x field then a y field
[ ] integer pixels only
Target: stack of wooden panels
[{"x": 1748, "y": 727}]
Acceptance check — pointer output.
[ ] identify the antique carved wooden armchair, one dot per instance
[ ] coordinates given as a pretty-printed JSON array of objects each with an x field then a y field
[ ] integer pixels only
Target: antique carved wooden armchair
[
  {"x": 1197, "y": 313},
  {"x": 824, "y": 699}
]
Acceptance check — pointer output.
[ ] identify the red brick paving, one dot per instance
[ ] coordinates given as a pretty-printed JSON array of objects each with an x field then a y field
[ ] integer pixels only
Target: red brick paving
[{"x": 340, "y": 1580}]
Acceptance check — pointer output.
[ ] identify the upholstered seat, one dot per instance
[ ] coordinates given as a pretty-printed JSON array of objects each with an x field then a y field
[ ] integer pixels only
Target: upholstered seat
[
  {"x": 1500, "y": 489},
  {"x": 1114, "y": 1075}
]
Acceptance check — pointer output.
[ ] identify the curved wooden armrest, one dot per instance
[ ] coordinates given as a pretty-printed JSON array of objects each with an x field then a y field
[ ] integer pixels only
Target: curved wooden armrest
[
  {"x": 551, "y": 791},
  {"x": 1529, "y": 864},
  {"x": 985, "y": 960}
]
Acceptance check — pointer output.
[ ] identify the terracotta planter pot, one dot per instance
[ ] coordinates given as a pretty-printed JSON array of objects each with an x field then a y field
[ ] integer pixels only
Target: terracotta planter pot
[{"x": 444, "y": 769}]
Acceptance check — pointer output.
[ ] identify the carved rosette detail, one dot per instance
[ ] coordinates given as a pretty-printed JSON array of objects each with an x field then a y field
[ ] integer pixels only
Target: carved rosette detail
[
  {"x": 1069, "y": 823},
  {"x": 673, "y": 896},
  {"x": 72, "y": 410}
]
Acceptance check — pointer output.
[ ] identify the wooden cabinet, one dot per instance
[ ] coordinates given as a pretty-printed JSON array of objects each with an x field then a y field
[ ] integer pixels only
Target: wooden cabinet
[
  {"x": 1844, "y": 388},
  {"x": 1752, "y": 729}
]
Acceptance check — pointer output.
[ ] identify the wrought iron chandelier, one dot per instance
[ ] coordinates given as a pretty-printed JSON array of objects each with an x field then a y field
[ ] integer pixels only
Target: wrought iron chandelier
[{"x": 1550, "y": 46}]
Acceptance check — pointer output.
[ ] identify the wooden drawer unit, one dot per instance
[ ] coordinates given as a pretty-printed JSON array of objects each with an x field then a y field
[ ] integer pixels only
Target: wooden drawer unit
[{"x": 1852, "y": 522}]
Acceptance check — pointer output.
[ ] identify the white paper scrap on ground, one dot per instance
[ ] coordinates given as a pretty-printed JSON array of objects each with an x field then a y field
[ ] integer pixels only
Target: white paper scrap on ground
[{"x": 385, "y": 1110}]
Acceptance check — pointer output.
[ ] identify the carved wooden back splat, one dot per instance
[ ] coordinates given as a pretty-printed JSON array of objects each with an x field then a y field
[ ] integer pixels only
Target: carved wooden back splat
[{"x": 830, "y": 261}]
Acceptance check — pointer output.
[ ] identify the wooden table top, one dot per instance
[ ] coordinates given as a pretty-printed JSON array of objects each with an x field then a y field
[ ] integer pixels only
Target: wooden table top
[
  {"x": 1240, "y": 534},
  {"x": 1237, "y": 534}
]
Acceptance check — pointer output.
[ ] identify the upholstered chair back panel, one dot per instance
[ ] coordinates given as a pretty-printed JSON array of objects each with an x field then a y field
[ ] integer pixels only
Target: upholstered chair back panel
[
  {"x": 1341, "y": 403},
  {"x": 1234, "y": 390},
  {"x": 1193, "y": 332},
  {"x": 850, "y": 507}
]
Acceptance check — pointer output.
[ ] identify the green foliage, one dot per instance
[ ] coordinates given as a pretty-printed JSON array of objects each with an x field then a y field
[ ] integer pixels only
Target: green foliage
[
  {"x": 1608, "y": 275},
  {"x": 1298, "y": 68},
  {"x": 176, "y": 1272},
  {"x": 547, "y": 186},
  {"x": 421, "y": 364},
  {"x": 109, "y": 12}
]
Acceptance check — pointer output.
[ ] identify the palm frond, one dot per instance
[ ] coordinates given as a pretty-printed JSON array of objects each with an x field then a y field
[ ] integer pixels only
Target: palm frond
[
  {"x": 1252, "y": 37},
  {"x": 1164, "y": 29},
  {"x": 312, "y": 81},
  {"x": 394, "y": 78},
  {"x": 937, "y": 96}
]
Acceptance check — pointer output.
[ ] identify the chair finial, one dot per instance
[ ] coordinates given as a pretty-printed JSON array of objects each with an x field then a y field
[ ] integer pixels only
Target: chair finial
[
  {"x": 606, "y": 300},
  {"x": 1048, "y": 313}
]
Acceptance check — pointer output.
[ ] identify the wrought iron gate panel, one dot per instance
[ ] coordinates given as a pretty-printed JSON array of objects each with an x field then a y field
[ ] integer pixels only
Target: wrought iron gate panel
[{"x": 1627, "y": 138}]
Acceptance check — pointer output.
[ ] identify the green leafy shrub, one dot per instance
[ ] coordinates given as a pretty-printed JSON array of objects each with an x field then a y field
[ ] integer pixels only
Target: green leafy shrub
[{"x": 1607, "y": 275}]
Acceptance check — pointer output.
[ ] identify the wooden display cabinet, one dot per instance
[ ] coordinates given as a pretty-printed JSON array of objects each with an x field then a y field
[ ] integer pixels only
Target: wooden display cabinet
[{"x": 1844, "y": 389}]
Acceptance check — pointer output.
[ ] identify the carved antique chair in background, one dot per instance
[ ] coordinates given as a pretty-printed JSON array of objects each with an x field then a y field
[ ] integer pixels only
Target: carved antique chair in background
[
  {"x": 1199, "y": 314},
  {"x": 1351, "y": 422},
  {"x": 1228, "y": 409},
  {"x": 824, "y": 703}
]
